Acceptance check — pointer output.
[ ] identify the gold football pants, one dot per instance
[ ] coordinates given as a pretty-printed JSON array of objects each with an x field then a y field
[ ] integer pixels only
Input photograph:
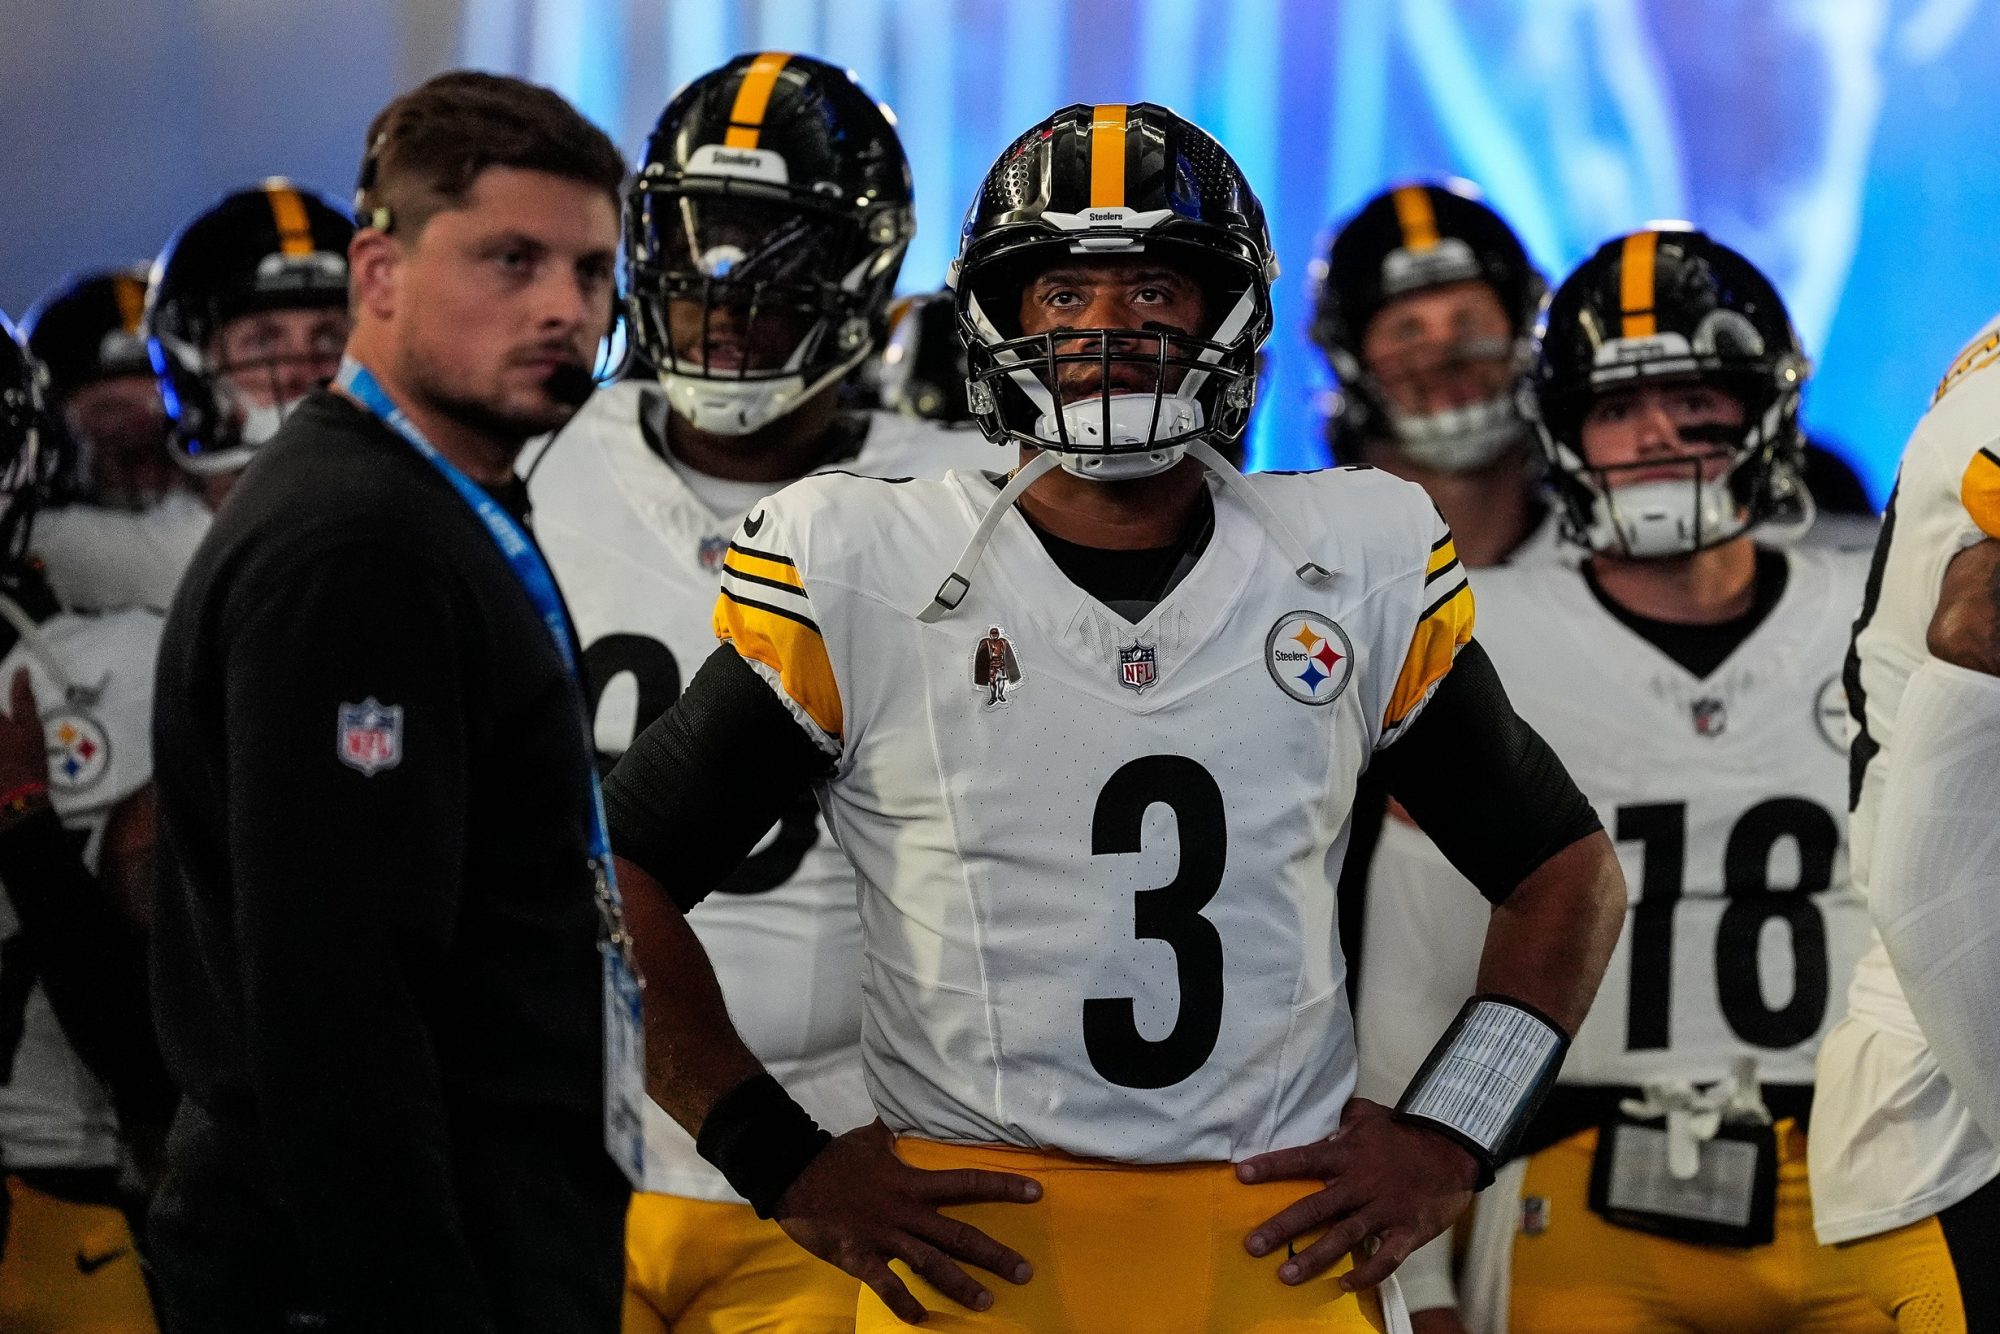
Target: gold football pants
[
  {"x": 1119, "y": 1249},
  {"x": 1575, "y": 1273},
  {"x": 703, "y": 1267},
  {"x": 70, "y": 1268}
]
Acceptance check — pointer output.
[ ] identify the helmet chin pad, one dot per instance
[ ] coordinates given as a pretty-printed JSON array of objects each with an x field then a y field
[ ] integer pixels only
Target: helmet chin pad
[
  {"x": 1127, "y": 450},
  {"x": 1459, "y": 439},
  {"x": 1666, "y": 517}
]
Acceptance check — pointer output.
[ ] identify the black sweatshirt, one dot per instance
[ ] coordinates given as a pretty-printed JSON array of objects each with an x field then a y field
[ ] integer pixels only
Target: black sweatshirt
[{"x": 375, "y": 965}]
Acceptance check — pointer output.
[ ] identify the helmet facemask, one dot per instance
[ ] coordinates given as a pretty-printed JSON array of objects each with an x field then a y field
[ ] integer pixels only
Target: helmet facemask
[
  {"x": 1147, "y": 392},
  {"x": 1757, "y": 484},
  {"x": 748, "y": 298},
  {"x": 1446, "y": 437}
]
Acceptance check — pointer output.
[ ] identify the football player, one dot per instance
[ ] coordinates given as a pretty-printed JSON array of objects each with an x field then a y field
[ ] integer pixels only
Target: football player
[
  {"x": 246, "y": 314},
  {"x": 764, "y": 234},
  {"x": 1689, "y": 677},
  {"x": 77, "y": 1061},
  {"x": 1906, "y": 1118},
  {"x": 1104, "y": 1028},
  {"x": 1424, "y": 306},
  {"x": 101, "y": 390}
]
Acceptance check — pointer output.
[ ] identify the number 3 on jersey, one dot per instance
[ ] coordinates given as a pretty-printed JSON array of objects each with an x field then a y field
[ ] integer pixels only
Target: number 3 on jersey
[
  {"x": 1171, "y": 913},
  {"x": 1751, "y": 904}
]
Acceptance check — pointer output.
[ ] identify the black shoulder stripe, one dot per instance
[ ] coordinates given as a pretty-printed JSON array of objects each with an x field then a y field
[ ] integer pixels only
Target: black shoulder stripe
[
  {"x": 1439, "y": 605},
  {"x": 806, "y": 621},
  {"x": 1441, "y": 543},
  {"x": 762, "y": 555},
  {"x": 750, "y": 578},
  {"x": 1441, "y": 571}
]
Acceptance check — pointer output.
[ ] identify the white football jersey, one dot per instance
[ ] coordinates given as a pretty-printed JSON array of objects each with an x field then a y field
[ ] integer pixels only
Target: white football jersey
[
  {"x": 1725, "y": 796},
  {"x": 53, "y": 1112},
  {"x": 638, "y": 555},
  {"x": 1098, "y": 859},
  {"x": 102, "y": 559},
  {"x": 1892, "y": 1143}
]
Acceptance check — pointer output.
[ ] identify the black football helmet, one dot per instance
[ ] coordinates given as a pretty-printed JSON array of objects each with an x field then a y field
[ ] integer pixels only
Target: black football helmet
[
  {"x": 28, "y": 453},
  {"x": 276, "y": 246},
  {"x": 1408, "y": 239},
  {"x": 772, "y": 211},
  {"x": 1114, "y": 181},
  {"x": 1665, "y": 305},
  {"x": 87, "y": 329}
]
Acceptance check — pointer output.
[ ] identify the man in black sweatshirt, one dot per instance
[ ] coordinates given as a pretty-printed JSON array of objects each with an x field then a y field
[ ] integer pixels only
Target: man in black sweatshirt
[{"x": 377, "y": 972}]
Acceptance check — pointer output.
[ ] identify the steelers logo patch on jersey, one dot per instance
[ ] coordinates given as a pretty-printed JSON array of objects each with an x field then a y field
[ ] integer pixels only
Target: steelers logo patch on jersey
[
  {"x": 79, "y": 751},
  {"x": 1309, "y": 656}
]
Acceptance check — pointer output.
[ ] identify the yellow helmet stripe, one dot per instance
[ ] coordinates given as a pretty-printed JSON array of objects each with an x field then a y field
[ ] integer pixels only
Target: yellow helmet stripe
[
  {"x": 289, "y": 212},
  {"x": 130, "y": 294},
  {"x": 753, "y": 99},
  {"x": 1107, "y": 155},
  {"x": 1416, "y": 217},
  {"x": 1635, "y": 286}
]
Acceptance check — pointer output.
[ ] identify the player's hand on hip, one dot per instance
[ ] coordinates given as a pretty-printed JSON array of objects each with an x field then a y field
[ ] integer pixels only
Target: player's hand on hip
[
  {"x": 24, "y": 749},
  {"x": 1386, "y": 1182},
  {"x": 857, "y": 1205}
]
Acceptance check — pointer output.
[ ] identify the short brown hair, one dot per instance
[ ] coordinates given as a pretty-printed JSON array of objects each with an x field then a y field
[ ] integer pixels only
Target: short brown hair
[{"x": 426, "y": 148}]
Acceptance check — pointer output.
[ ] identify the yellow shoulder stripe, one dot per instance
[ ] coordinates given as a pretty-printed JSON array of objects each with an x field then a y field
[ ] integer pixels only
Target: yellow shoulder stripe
[
  {"x": 1441, "y": 557},
  {"x": 789, "y": 645},
  {"x": 1979, "y": 491},
  {"x": 1444, "y": 629},
  {"x": 758, "y": 566}
]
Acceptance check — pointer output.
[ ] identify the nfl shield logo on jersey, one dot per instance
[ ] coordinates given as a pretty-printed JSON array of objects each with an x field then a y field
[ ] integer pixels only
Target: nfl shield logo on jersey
[
  {"x": 1138, "y": 666},
  {"x": 1710, "y": 717},
  {"x": 370, "y": 736},
  {"x": 711, "y": 552}
]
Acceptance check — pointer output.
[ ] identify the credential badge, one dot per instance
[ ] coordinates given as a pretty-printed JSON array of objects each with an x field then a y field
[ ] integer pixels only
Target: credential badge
[{"x": 370, "y": 736}]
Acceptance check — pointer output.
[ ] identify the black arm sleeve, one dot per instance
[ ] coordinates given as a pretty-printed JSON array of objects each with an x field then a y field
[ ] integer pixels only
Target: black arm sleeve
[
  {"x": 92, "y": 963},
  {"x": 1482, "y": 783},
  {"x": 347, "y": 887},
  {"x": 709, "y": 778}
]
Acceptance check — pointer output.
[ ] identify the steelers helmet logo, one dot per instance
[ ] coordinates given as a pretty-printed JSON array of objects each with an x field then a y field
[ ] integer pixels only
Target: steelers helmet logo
[
  {"x": 1309, "y": 656},
  {"x": 79, "y": 752}
]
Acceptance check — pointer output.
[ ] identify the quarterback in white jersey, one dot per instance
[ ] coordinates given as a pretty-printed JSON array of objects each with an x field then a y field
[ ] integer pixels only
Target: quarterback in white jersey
[
  {"x": 1906, "y": 1123},
  {"x": 1096, "y": 786},
  {"x": 75, "y": 830},
  {"x": 1690, "y": 681},
  {"x": 737, "y": 298}
]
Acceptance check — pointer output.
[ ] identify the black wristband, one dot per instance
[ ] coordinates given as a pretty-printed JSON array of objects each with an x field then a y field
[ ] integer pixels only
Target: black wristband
[{"x": 759, "y": 1138}]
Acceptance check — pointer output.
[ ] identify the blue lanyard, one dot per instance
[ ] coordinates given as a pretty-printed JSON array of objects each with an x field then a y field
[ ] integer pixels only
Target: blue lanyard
[{"x": 539, "y": 584}]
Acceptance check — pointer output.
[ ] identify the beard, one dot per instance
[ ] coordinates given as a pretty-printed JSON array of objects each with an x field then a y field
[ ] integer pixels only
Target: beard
[{"x": 512, "y": 417}]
